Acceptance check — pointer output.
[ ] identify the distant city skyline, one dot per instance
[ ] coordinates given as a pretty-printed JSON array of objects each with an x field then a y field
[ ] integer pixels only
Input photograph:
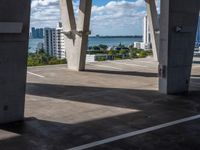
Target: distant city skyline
[
  {"x": 37, "y": 33},
  {"x": 109, "y": 17}
]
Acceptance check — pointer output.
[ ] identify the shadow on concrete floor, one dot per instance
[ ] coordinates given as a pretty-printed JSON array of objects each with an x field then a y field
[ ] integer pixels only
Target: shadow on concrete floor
[
  {"x": 37, "y": 134},
  {"x": 123, "y": 98},
  {"x": 96, "y": 95},
  {"x": 155, "y": 108},
  {"x": 131, "y": 73},
  {"x": 196, "y": 62},
  {"x": 195, "y": 76}
]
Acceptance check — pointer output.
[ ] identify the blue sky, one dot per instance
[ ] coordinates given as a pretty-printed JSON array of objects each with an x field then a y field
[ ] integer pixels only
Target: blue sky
[
  {"x": 103, "y": 2},
  {"x": 109, "y": 17}
]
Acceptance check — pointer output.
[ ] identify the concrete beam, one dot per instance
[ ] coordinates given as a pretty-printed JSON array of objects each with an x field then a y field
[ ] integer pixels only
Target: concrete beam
[
  {"x": 76, "y": 38},
  {"x": 152, "y": 15},
  {"x": 179, "y": 19},
  {"x": 67, "y": 15},
  {"x": 14, "y": 35}
]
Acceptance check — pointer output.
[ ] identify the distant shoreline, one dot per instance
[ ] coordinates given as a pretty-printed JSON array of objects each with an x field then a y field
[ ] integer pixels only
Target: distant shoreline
[
  {"x": 110, "y": 41},
  {"x": 128, "y": 36},
  {"x": 108, "y": 36}
]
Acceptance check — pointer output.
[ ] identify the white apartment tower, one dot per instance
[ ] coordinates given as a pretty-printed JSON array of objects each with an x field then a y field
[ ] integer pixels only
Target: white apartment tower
[
  {"x": 146, "y": 34},
  {"x": 60, "y": 42},
  {"x": 54, "y": 42}
]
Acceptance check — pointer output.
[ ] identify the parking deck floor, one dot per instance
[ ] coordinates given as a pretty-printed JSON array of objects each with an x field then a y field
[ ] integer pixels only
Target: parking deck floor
[{"x": 66, "y": 109}]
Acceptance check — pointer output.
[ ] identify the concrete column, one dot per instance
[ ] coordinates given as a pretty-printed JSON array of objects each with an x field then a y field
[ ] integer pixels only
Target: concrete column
[
  {"x": 69, "y": 24},
  {"x": 152, "y": 15},
  {"x": 14, "y": 33},
  {"x": 178, "y": 27},
  {"x": 76, "y": 38},
  {"x": 83, "y": 26}
]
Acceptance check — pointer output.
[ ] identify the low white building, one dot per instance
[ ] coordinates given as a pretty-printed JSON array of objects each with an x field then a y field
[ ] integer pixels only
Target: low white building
[
  {"x": 98, "y": 57},
  {"x": 90, "y": 58},
  {"x": 138, "y": 45}
]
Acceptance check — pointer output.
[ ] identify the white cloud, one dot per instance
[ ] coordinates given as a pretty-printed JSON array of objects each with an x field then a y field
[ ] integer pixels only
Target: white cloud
[
  {"x": 120, "y": 17},
  {"x": 44, "y": 13}
]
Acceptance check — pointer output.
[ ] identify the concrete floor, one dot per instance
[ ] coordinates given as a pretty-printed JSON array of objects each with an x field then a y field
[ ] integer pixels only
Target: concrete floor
[{"x": 65, "y": 109}]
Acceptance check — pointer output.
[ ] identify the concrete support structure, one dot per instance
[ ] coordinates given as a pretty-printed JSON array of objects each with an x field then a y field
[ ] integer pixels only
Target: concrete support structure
[
  {"x": 76, "y": 35},
  {"x": 14, "y": 35},
  {"x": 152, "y": 15},
  {"x": 178, "y": 27}
]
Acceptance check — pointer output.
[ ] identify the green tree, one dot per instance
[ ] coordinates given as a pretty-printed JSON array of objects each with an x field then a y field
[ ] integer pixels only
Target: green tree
[
  {"x": 41, "y": 58},
  {"x": 96, "y": 48},
  {"x": 103, "y": 47},
  {"x": 101, "y": 59},
  {"x": 123, "y": 52},
  {"x": 143, "y": 54},
  {"x": 133, "y": 53},
  {"x": 112, "y": 52}
]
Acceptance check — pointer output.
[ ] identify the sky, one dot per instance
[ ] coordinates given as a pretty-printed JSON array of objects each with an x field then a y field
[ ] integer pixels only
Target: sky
[{"x": 109, "y": 17}]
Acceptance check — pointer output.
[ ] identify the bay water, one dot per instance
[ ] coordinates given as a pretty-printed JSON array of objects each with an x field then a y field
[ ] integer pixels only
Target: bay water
[{"x": 95, "y": 41}]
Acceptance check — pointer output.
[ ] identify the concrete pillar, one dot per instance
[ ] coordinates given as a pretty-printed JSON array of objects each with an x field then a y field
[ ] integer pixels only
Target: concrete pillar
[
  {"x": 83, "y": 25},
  {"x": 76, "y": 35},
  {"x": 152, "y": 15},
  {"x": 178, "y": 27},
  {"x": 69, "y": 24},
  {"x": 14, "y": 33}
]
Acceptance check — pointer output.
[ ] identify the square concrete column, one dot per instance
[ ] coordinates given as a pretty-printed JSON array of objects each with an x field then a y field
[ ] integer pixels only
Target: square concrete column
[
  {"x": 14, "y": 33},
  {"x": 178, "y": 27}
]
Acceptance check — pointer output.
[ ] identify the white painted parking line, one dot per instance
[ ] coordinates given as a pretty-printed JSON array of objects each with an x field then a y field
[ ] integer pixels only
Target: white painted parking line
[
  {"x": 37, "y": 75},
  {"x": 195, "y": 77},
  {"x": 115, "y": 62},
  {"x": 106, "y": 66},
  {"x": 147, "y": 62},
  {"x": 195, "y": 86},
  {"x": 195, "y": 83},
  {"x": 134, "y": 133},
  {"x": 195, "y": 66}
]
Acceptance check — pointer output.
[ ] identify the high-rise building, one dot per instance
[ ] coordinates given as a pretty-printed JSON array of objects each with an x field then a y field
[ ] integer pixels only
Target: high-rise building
[
  {"x": 54, "y": 43},
  {"x": 146, "y": 34},
  {"x": 33, "y": 32},
  {"x": 37, "y": 33},
  {"x": 60, "y": 42},
  {"x": 40, "y": 33},
  {"x": 50, "y": 41}
]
